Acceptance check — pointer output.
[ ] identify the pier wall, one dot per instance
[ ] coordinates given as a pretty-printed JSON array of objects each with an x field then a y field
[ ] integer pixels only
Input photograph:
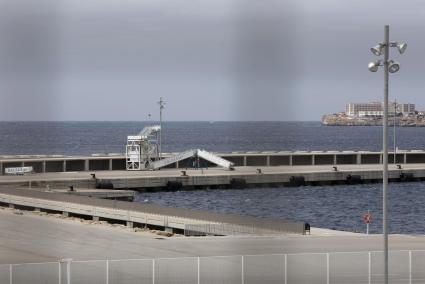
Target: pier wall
[
  {"x": 42, "y": 164},
  {"x": 277, "y": 178},
  {"x": 216, "y": 178}
]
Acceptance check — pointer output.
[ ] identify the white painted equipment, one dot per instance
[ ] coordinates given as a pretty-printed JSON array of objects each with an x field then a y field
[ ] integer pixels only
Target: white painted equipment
[
  {"x": 142, "y": 149},
  {"x": 141, "y": 152},
  {"x": 173, "y": 159},
  {"x": 219, "y": 161},
  {"x": 189, "y": 154}
]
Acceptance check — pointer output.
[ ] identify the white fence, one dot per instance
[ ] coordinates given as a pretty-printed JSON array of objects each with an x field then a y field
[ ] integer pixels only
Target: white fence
[{"x": 321, "y": 268}]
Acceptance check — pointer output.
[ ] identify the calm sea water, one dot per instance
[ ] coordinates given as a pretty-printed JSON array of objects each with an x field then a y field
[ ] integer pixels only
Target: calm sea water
[
  {"x": 75, "y": 138},
  {"x": 333, "y": 207},
  {"x": 339, "y": 207}
]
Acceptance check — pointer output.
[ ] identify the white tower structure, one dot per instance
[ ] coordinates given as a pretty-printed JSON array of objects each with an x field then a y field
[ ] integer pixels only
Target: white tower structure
[{"x": 142, "y": 149}]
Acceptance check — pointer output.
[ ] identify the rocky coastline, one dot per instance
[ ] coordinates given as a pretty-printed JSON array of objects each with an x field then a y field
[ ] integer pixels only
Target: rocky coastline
[{"x": 341, "y": 119}]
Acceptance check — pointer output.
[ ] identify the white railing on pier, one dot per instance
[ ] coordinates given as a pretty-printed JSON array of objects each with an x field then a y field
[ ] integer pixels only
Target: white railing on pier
[{"x": 313, "y": 268}]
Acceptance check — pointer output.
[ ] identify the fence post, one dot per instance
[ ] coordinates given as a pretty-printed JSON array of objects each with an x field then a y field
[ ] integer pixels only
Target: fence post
[
  {"x": 370, "y": 268},
  {"x": 410, "y": 267},
  {"x": 10, "y": 273},
  {"x": 243, "y": 276},
  {"x": 153, "y": 271},
  {"x": 107, "y": 271},
  {"x": 199, "y": 270},
  {"x": 327, "y": 268},
  {"x": 68, "y": 272},
  {"x": 286, "y": 269}
]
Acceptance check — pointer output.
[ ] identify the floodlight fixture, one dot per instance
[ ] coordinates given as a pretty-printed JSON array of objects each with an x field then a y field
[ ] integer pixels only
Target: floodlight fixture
[
  {"x": 377, "y": 50},
  {"x": 393, "y": 66},
  {"x": 374, "y": 66},
  {"x": 401, "y": 47}
]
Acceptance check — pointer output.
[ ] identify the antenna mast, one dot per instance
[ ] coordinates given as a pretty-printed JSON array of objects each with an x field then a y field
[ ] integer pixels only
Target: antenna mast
[{"x": 161, "y": 107}]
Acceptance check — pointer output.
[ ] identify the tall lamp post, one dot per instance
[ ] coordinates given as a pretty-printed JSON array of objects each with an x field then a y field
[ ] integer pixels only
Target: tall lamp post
[{"x": 390, "y": 66}]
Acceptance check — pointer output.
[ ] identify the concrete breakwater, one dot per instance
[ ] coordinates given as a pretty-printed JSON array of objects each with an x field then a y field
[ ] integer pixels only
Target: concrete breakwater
[
  {"x": 241, "y": 177},
  {"x": 252, "y": 170},
  {"x": 116, "y": 162},
  {"x": 183, "y": 221},
  {"x": 124, "y": 195}
]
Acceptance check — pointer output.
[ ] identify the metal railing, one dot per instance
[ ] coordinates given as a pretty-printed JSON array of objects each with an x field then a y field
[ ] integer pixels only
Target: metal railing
[
  {"x": 321, "y": 268},
  {"x": 224, "y": 229}
]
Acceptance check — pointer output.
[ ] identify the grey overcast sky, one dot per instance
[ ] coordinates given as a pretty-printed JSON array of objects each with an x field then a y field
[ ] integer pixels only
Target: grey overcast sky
[{"x": 209, "y": 59}]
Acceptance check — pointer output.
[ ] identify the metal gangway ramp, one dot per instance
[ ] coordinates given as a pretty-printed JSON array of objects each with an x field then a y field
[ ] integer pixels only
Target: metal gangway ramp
[{"x": 210, "y": 157}]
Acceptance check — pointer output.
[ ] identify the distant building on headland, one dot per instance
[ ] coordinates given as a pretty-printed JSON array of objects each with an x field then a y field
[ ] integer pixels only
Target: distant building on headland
[
  {"x": 375, "y": 109},
  {"x": 371, "y": 114}
]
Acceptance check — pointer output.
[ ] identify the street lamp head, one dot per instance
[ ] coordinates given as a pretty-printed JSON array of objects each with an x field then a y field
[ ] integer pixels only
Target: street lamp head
[
  {"x": 393, "y": 66},
  {"x": 373, "y": 66},
  {"x": 402, "y": 47},
  {"x": 377, "y": 50}
]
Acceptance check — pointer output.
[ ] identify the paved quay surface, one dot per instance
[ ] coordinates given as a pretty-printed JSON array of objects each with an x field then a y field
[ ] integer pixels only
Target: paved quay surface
[
  {"x": 33, "y": 238},
  {"x": 202, "y": 172}
]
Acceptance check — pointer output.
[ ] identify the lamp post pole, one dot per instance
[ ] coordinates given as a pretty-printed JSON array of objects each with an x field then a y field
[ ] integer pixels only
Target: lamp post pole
[
  {"x": 161, "y": 107},
  {"x": 390, "y": 66},
  {"x": 394, "y": 130},
  {"x": 385, "y": 153}
]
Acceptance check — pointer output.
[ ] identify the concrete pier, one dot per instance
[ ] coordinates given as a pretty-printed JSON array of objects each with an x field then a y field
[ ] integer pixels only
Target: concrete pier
[
  {"x": 125, "y": 195},
  {"x": 139, "y": 214},
  {"x": 116, "y": 162},
  {"x": 241, "y": 177},
  {"x": 54, "y": 238}
]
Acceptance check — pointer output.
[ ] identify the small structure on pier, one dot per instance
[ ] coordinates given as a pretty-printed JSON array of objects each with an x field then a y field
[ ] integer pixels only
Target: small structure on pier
[
  {"x": 195, "y": 153},
  {"x": 142, "y": 149},
  {"x": 142, "y": 152}
]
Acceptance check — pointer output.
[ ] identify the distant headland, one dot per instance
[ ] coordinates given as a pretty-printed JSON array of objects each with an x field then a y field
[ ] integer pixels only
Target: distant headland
[{"x": 371, "y": 114}]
